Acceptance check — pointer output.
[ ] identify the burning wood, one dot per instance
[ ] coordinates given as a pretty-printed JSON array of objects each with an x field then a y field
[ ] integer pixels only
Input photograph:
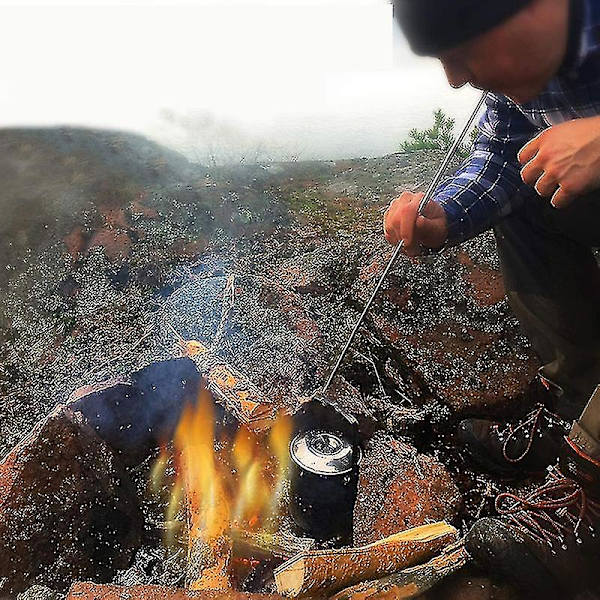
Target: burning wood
[
  {"x": 411, "y": 582},
  {"x": 229, "y": 486},
  {"x": 326, "y": 571},
  {"x": 265, "y": 545},
  {"x": 208, "y": 563},
  {"x": 208, "y": 508},
  {"x": 229, "y": 386},
  {"x": 95, "y": 591}
]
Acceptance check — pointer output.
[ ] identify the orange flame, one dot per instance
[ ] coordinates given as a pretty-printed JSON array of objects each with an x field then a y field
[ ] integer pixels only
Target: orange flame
[
  {"x": 237, "y": 486},
  {"x": 194, "y": 443},
  {"x": 279, "y": 443}
]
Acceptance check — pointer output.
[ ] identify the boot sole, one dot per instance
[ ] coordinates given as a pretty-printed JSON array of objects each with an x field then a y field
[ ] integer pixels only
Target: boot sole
[{"x": 496, "y": 548}]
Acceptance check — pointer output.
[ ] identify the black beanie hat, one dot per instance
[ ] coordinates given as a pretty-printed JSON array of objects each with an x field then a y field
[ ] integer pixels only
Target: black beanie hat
[{"x": 433, "y": 26}]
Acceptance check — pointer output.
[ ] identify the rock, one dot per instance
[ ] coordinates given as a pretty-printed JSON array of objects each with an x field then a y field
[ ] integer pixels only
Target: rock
[
  {"x": 91, "y": 591},
  {"x": 118, "y": 415},
  {"x": 149, "y": 276},
  {"x": 303, "y": 279},
  {"x": 446, "y": 318},
  {"x": 68, "y": 288},
  {"x": 134, "y": 416},
  {"x": 348, "y": 399},
  {"x": 85, "y": 390},
  {"x": 166, "y": 386},
  {"x": 67, "y": 508},
  {"x": 486, "y": 284},
  {"x": 469, "y": 370},
  {"x": 260, "y": 328},
  {"x": 114, "y": 216},
  {"x": 373, "y": 270},
  {"x": 75, "y": 242},
  {"x": 116, "y": 244},
  {"x": 399, "y": 489},
  {"x": 480, "y": 373},
  {"x": 189, "y": 249},
  {"x": 138, "y": 208}
]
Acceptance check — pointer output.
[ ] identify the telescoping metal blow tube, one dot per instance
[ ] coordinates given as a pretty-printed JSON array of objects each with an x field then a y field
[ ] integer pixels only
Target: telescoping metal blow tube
[{"x": 426, "y": 198}]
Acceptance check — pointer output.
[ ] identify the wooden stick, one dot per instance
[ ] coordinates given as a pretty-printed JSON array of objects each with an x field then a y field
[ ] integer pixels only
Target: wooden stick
[
  {"x": 332, "y": 570},
  {"x": 209, "y": 543},
  {"x": 263, "y": 545},
  {"x": 231, "y": 387},
  {"x": 411, "y": 582},
  {"x": 208, "y": 564}
]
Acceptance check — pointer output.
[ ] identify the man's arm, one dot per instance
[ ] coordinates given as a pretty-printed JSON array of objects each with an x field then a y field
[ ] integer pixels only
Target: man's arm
[{"x": 488, "y": 185}]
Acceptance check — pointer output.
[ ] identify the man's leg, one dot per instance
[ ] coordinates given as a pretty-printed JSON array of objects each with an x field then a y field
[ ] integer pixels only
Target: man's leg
[
  {"x": 553, "y": 285},
  {"x": 546, "y": 541},
  {"x": 586, "y": 430}
]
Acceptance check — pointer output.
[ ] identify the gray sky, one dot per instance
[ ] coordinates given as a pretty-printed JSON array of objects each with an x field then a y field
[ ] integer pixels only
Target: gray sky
[{"x": 317, "y": 78}]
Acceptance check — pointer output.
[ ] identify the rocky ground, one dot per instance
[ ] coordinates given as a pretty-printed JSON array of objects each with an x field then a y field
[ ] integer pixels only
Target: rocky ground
[{"x": 113, "y": 250}]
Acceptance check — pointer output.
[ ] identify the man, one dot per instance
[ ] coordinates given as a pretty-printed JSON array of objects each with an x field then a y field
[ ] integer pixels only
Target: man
[{"x": 534, "y": 177}]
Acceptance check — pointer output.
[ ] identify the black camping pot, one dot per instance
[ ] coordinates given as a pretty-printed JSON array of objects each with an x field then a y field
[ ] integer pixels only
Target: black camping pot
[{"x": 324, "y": 478}]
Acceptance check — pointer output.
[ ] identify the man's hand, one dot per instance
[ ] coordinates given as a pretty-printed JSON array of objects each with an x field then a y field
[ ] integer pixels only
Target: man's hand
[
  {"x": 563, "y": 162},
  {"x": 402, "y": 222}
]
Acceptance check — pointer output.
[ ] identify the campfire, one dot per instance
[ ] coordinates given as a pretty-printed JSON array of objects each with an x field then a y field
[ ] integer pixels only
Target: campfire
[
  {"x": 226, "y": 486},
  {"x": 231, "y": 474}
]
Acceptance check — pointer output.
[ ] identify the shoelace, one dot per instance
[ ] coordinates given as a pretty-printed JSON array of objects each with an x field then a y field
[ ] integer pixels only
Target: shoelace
[
  {"x": 551, "y": 512},
  {"x": 529, "y": 425}
]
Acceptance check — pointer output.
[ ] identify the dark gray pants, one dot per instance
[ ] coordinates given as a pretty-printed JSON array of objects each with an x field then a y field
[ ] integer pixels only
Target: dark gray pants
[{"x": 552, "y": 281}]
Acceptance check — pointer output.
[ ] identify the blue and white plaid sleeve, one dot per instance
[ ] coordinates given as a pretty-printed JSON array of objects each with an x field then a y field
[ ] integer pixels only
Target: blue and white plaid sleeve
[{"x": 488, "y": 185}]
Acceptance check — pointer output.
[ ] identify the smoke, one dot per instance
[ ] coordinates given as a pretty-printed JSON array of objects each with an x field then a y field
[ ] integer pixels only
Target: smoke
[
  {"x": 335, "y": 116},
  {"x": 212, "y": 140}
]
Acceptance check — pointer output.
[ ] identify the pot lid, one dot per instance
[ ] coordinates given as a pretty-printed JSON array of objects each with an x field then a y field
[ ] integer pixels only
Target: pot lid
[{"x": 322, "y": 452}]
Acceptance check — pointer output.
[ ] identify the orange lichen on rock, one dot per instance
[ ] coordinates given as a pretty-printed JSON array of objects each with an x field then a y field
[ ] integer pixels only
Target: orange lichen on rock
[
  {"x": 116, "y": 244},
  {"x": 486, "y": 284},
  {"x": 398, "y": 489}
]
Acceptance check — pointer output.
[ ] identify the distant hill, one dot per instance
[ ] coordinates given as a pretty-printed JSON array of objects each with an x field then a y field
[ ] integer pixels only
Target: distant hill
[{"x": 53, "y": 178}]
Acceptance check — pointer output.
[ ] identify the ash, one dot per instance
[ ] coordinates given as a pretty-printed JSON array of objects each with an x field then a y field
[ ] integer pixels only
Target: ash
[{"x": 155, "y": 565}]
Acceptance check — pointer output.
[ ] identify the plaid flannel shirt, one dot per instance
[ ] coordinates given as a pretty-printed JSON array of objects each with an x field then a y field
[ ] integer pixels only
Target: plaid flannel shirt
[{"x": 488, "y": 185}]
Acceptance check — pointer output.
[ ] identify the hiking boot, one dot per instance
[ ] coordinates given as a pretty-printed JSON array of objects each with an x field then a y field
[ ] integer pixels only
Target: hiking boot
[
  {"x": 546, "y": 542},
  {"x": 523, "y": 448}
]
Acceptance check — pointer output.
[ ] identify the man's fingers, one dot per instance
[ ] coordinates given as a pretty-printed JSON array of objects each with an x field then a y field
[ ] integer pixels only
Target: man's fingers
[
  {"x": 432, "y": 209},
  {"x": 529, "y": 150},
  {"x": 560, "y": 199},
  {"x": 397, "y": 218},
  {"x": 411, "y": 218},
  {"x": 391, "y": 227},
  {"x": 391, "y": 235},
  {"x": 408, "y": 217},
  {"x": 546, "y": 185},
  {"x": 401, "y": 218},
  {"x": 388, "y": 230},
  {"x": 531, "y": 172},
  {"x": 390, "y": 221}
]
